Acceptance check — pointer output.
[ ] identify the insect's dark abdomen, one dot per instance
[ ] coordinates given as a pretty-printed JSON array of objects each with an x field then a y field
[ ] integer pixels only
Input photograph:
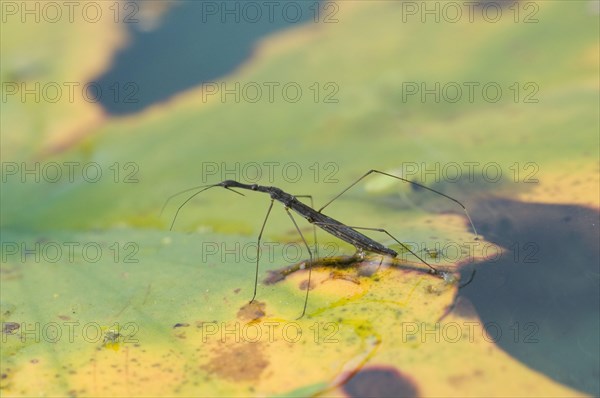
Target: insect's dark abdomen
[
  {"x": 355, "y": 238},
  {"x": 339, "y": 230}
]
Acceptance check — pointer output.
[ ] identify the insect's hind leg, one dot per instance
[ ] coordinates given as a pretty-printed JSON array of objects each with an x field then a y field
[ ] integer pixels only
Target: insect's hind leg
[
  {"x": 309, "y": 263},
  {"x": 412, "y": 183},
  {"x": 258, "y": 248},
  {"x": 312, "y": 204},
  {"x": 434, "y": 270}
]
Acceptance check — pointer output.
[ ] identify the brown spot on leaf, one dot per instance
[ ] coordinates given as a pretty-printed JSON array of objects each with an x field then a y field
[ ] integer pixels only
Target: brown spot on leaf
[
  {"x": 277, "y": 275},
  {"x": 344, "y": 276},
  {"x": 251, "y": 311},
  {"x": 9, "y": 273},
  {"x": 380, "y": 382},
  {"x": 304, "y": 284},
  {"x": 273, "y": 278},
  {"x": 10, "y": 327},
  {"x": 244, "y": 361}
]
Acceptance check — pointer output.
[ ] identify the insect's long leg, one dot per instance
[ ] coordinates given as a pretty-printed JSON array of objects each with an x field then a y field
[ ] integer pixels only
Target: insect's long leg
[
  {"x": 309, "y": 263},
  {"x": 258, "y": 248},
  {"x": 312, "y": 204},
  {"x": 433, "y": 269},
  {"x": 410, "y": 182}
]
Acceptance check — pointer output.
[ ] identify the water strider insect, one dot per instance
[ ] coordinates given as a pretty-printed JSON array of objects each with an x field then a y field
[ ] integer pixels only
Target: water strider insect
[{"x": 334, "y": 227}]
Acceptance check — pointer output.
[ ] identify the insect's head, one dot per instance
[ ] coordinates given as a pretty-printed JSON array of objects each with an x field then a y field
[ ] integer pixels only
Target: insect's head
[{"x": 229, "y": 183}]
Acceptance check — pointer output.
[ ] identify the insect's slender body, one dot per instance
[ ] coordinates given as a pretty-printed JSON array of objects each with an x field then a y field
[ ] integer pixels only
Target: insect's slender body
[
  {"x": 334, "y": 227},
  {"x": 326, "y": 223}
]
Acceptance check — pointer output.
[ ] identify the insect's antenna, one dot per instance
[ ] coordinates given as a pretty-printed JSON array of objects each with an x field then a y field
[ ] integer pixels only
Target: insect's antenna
[
  {"x": 188, "y": 199},
  {"x": 179, "y": 193}
]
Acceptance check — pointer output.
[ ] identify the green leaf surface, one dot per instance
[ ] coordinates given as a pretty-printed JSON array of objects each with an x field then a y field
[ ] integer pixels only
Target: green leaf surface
[{"x": 140, "y": 310}]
